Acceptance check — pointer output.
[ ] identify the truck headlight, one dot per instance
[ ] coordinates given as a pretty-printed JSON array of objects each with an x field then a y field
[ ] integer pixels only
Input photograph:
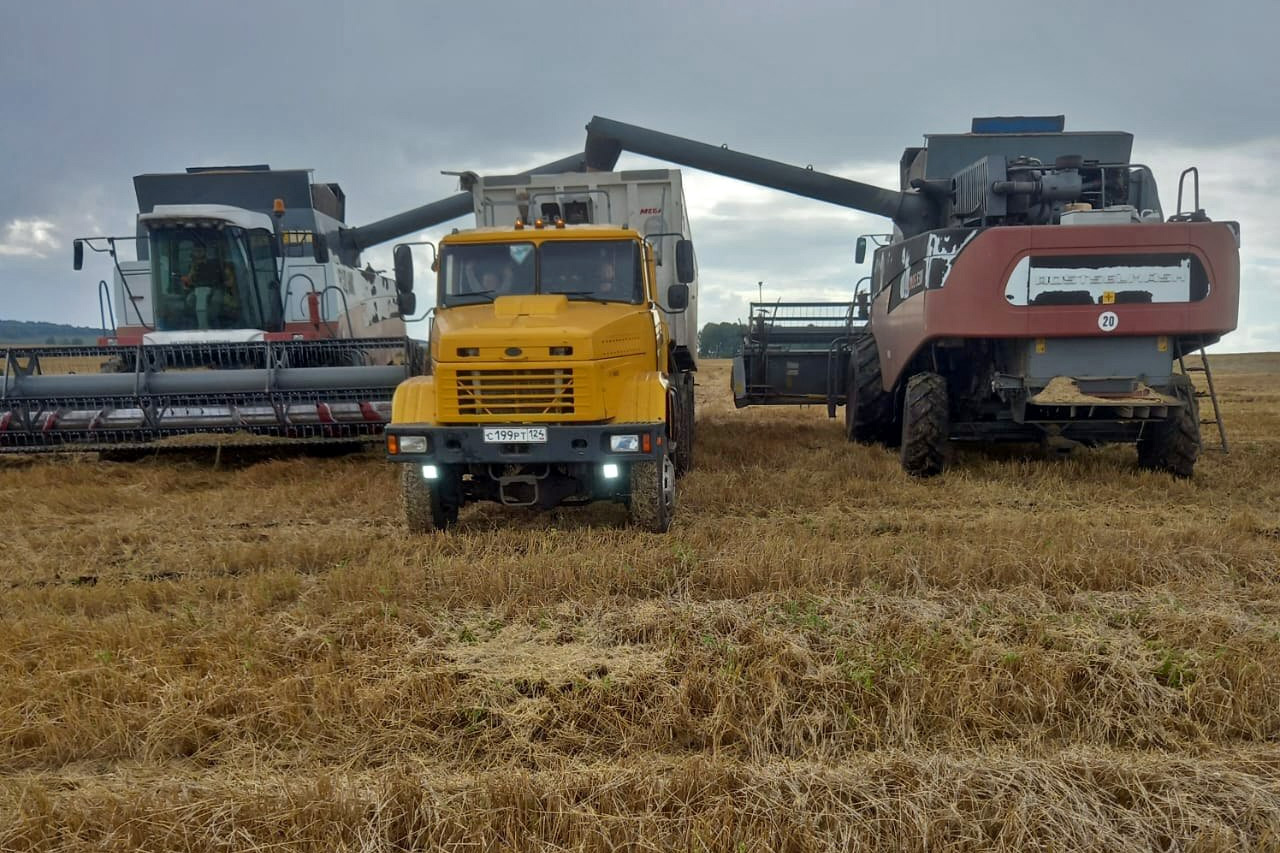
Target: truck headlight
[
  {"x": 413, "y": 444},
  {"x": 609, "y": 470},
  {"x": 624, "y": 443},
  {"x": 430, "y": 472}
]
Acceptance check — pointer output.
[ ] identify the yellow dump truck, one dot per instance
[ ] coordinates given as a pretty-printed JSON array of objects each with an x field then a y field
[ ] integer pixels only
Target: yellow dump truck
[{"x": 562, "y": 352}]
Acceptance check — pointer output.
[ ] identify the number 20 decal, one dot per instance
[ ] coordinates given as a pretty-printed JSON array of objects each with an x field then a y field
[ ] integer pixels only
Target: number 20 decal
[{"x": 1107, "y": 321}]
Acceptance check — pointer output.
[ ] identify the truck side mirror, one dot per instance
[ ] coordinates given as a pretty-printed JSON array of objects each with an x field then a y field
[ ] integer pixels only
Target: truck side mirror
[
  {"x": 684, "y": 261},
  {"x": 404, "y": 269},
  {"x": 320, "y": 248},
  {"x": 678, "y": 297},
  {"x": 860, "y": 253},
  {"x": 77, "y": 253},
  {"x": 407, "y": 303}
]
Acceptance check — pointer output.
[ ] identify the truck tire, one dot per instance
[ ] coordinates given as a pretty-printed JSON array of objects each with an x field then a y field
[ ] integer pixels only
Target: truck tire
[
  {"x": 424, "y": 510},
  {"x": 1174, "y": 444},
  {"x": 926, "y": 426},
  {"x": 868, "y": 411},
  {"x": 684, "y": 424},
  {"x": 653, "y": 494}
]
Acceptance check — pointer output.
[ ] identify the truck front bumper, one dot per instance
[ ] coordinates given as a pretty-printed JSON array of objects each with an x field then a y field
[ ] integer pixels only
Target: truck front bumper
[{"x": 466, "y": 445}]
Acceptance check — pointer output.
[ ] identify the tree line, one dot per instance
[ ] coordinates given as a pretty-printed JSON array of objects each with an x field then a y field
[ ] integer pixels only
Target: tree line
[{"x": 720, "y": 340}]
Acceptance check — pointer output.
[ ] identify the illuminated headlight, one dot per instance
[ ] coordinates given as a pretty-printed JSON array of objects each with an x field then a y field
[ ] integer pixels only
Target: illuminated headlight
[
  {"x": 624, "y": 443},
  {"x": 610, "y": 471},
  {"x": 413, "y": 444},
  {"x": 430, "y": 472}
]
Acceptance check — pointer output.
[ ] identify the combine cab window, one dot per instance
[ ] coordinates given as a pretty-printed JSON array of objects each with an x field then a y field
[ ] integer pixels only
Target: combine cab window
[
  {"x": 482, "y": 272},
  {"x": 267, "y": 276},
  {"x": 607, "y": 270},
  {"x": 202, "y": 279}
]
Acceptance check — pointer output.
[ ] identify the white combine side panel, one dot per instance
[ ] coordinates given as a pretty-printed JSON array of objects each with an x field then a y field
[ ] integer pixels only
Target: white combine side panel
[{"x": 649, "y": 201}]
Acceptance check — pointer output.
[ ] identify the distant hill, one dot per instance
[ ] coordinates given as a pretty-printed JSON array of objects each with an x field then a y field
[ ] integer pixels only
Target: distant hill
[{"x": 34, "y": 332}]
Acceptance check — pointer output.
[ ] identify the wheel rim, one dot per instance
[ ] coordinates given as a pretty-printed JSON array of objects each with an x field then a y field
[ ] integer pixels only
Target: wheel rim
[{"x": 668, "y": 485}]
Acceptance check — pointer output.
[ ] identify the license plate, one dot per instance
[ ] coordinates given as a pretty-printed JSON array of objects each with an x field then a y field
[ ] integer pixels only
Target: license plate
[{"x": 515, "y": 435}]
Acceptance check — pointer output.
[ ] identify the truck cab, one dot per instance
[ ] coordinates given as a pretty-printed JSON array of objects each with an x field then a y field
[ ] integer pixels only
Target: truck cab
[{"x": 556, "y": 377}]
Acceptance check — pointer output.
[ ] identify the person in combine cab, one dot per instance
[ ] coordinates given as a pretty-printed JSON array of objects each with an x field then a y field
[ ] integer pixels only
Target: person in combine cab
[{"x": 219, "y": 277}]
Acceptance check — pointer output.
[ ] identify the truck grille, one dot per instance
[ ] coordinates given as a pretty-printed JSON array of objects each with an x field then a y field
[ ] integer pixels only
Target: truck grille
[{"x": 512, "y": 393}]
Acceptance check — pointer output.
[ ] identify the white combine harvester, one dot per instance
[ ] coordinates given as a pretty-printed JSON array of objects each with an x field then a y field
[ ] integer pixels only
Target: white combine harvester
[{"x": 247, "y": 314}]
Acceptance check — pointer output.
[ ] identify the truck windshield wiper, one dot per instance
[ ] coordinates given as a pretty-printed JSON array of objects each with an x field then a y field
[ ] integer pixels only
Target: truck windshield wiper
[
  {"x": 485, "y": 293},
  {"x": 588, "y": 296}
]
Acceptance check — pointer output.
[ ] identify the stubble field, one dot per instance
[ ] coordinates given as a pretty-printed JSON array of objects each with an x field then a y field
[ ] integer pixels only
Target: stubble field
[{"x": 1028, "y": 654}]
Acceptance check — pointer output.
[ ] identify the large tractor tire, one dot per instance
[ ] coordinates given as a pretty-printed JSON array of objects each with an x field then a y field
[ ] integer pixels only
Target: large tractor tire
[
  {"x": 868, "y": 412},
  {"x": 653, "y": 494},
  {"x": 425, "y": 509},
  {"x": 684, "y": 426},
  {"x": 926, "y": 426},
  {"x": 1173, "y": 445}
]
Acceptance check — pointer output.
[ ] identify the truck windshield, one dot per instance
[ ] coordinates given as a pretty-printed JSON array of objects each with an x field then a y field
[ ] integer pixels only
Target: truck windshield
[
  {"x": 204, "y": 278},
  {"x": 483, "y": 272},
  {"x": 606, "y": 270},
  {"x": 597, "y": 270}
]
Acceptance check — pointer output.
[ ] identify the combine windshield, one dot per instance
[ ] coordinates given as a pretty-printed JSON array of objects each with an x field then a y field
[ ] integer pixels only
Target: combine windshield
[
  {"x": 214, "y": 278},
  {"x": 593, "y": 270}
]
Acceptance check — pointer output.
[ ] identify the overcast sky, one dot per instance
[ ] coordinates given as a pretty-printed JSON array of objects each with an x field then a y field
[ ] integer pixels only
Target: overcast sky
[{"x": 381, "y": 97}]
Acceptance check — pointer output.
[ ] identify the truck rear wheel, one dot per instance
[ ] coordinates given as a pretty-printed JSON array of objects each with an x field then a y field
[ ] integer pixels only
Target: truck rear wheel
[
  {"x": 868, "y": 411},
  {"x": 1173, "y": 444},
  {"x": 425, "y": 509},
  {"x": 926, "y": 426},
  {"x": 653, "y": 494}
]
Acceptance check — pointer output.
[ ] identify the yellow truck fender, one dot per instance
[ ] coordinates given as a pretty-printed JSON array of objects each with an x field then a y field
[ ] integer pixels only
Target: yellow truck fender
[
  {"x": 644, "y": 399},
  {"x": 414, "y": 401}
]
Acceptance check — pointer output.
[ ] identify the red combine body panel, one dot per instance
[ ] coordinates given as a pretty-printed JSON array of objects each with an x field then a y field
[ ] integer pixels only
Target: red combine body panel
[{"x": 970, "y": 300}]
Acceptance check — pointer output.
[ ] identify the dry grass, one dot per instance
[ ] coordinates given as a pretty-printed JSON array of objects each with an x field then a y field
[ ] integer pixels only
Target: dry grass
[{"x": 823, "y": 654}]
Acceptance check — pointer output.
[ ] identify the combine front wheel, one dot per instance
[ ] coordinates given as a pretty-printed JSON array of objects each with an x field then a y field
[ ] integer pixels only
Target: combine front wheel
[
  {"x": 1173, "y": 445},
  {"x": 868, "y": 411},
  {"x": 926, "y": 426},
  {"x": 424, "y": 509},
  {"x": 653, "y": 494}
]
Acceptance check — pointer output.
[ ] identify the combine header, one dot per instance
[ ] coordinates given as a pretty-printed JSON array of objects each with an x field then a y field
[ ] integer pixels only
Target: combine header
[
  {"x": 246, "y": 317},
  {"x": 1032, "y": 290}
]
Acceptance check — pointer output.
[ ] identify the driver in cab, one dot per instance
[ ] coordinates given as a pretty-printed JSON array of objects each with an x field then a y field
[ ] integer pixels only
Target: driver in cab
[{"x": 216, "y": 275}]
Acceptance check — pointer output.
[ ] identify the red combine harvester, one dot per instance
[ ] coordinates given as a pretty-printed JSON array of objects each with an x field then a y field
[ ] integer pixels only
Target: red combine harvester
[{"x": 1032, "y": 290}]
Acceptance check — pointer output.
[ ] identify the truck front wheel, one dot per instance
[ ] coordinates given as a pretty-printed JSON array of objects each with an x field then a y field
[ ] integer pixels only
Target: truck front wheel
[
  {"x": 926, "y": 426},
  {"x": 653, "y": 494},
  {"x": 425, "y": 508}
]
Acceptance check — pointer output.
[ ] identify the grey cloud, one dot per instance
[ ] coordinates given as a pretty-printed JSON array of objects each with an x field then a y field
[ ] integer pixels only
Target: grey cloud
[{"x": 381, "y": 96}]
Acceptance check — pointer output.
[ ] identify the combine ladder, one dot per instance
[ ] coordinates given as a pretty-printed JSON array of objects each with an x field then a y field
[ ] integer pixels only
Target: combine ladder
[{"x": 1212, "y": 393}]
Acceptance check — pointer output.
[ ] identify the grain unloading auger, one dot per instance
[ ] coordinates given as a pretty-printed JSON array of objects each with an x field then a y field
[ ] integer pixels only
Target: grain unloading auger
[
  {"x": 246, "y": 318},
  {"x": 1032, "y": 290}
]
